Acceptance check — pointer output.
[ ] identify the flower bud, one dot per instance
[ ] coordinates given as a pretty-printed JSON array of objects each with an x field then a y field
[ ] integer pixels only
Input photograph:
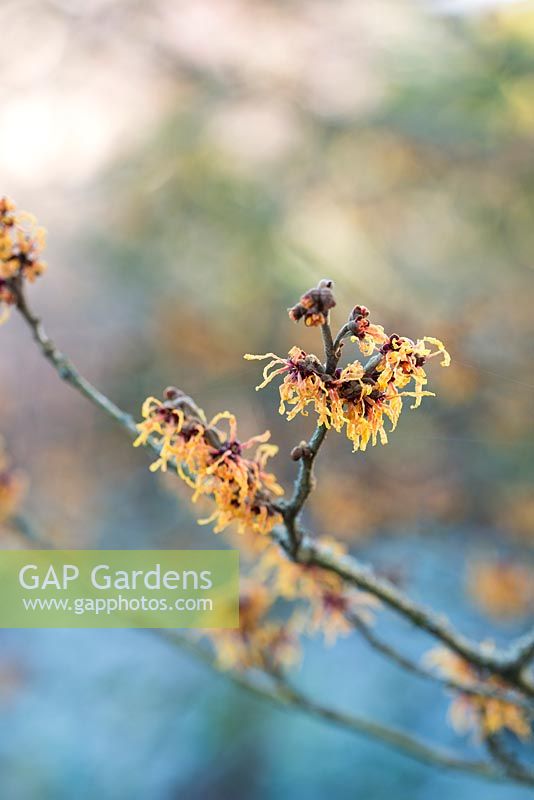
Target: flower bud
[{"x": 314, "y": 304}]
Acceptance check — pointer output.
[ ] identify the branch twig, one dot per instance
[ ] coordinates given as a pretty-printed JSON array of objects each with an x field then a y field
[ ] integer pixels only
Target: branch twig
[
  {"x": 512, "y": 767},
  {"x": 473, "y": 689},
  {"x": 304, "y": 482},
  {"x": 287, "y": 697},
  {"x": 501, "y": 662},
  {"x": 65, "y": 368}
]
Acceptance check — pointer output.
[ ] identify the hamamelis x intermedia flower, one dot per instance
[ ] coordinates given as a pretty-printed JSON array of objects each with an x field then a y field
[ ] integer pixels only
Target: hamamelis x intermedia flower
[
  {"x": 260, "y": 641},
  {"x": 482, "y": 715},
  {"x": 212, "y": 461},
  {"x": 330, "y": 607},
  {"x": 12, "y": 486},
  {"x": 21, "y": 244},
  {"x": 358, "y": 398}
]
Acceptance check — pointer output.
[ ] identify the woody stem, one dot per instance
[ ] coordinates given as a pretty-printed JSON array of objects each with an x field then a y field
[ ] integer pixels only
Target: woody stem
[
  {"x": 329, "y": 348},
  {"x": 63, "y": 366},
  {"x": 304, "y": 481}
]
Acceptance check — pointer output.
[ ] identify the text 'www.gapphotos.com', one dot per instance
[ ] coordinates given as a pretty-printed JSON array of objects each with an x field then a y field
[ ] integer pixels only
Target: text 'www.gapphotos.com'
[{"x": 120, "y": 604}]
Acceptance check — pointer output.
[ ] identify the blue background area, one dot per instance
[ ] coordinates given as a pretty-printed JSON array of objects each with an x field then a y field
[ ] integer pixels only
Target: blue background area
[{"x": 125, "y": 715}]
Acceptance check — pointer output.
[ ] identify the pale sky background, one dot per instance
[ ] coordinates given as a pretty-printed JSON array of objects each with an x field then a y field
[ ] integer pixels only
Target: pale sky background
[{"x": 92, "y": 80}]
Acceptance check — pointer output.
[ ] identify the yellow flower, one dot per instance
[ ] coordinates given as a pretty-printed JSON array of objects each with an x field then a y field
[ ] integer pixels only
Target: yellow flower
[
  {"x": 21, "y": 244},
  {"x": 485, "y": 715},
  {"x": 259, "y": 642},
  {"x": 303, "y": 383},
  {"x": 332, "y": 611},
  {"x": 212, "y": 462},
  {"x": 329, "y": 607},
  {"x": 357, "y": 399},
  {"x": 403, "y": 362}
]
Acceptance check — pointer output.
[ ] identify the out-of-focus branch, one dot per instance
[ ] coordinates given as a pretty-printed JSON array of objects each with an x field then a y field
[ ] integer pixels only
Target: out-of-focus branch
[
  {"x": 511, "y": 766},
  {"x": 501, "y": 662},
  {"x": 287, "y": 697},
  {"x": 34, "y": 538},
  {"x": 523, "y": 651},
  {"x": 473, "y": 689}
]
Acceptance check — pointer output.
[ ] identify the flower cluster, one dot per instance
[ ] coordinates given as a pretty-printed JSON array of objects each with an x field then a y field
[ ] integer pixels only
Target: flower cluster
[
  {"x": 212, "y": 462},
  {"x": 312, "y": 600},
  {"x": 358, "y": 398},
  {"x": 258, "y": 642},
  {"x": 331, "y": 607},
  {"x": 484, "y": 715},
  {"x": 21, "y": 246}
]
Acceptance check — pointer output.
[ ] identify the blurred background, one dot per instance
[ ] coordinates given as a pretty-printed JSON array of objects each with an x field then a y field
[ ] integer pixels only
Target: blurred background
[{"x": 198, "y": 165}]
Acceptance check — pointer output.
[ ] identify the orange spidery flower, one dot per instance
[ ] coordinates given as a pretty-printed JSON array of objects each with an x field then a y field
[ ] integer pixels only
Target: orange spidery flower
[
  {"x": 332, "y": 611},
  {"x": 485, "y": 715},
  {"x": 6, "y": 299},
  {"x": 21, "y": 244},
  {"x": 330, "y": 607},
  {"x": 400, "y": 361},
  {"x": 368, "y": 335},
  {"x": 241, "y": 487},
  {"x": 294, "y": 581},
  {"x": 303, "y": 384},
  {"x": 366, "y": 409},
  {"x": 357, "y": 399},
  {"x": 348, "y": 399},
  {"x": 181, "y": 441},
  {"x": 259, "y": 642},
  {"x": 213, "y": 463},
  {"x": 404, "y": 361},
  {"x": 502, "y": 589}
]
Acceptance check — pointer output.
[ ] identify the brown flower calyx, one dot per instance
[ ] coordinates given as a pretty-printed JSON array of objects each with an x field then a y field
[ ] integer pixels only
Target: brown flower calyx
[
  {"x": 358, "y": 321},
  {"x": 314, "y": 305}
]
